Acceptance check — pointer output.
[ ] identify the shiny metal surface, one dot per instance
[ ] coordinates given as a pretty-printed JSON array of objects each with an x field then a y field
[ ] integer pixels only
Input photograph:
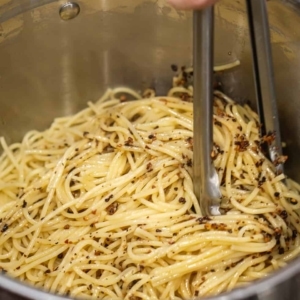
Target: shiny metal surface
[
  {"x": 69, "y": 11},
  {"x": 205, "y": 177},
  {"x": 50, "y": 67},
  {"x": 264, "y": 76}
]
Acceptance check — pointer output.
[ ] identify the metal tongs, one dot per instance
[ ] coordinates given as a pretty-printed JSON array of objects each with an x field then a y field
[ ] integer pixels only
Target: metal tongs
[{"x": 206, "y": 181}]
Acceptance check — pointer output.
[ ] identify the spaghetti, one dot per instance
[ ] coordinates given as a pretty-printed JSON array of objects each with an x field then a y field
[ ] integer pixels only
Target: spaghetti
[{"x": 101, "y": 204}]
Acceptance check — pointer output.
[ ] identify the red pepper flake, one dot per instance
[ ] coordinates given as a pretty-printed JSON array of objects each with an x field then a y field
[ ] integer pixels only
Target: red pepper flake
[
  {"x": 283, "y": 214},
  {"x": 203, "y": 220},
  {"x": 295, "y": 233},
  {"x": 149, "y": 167},
  {"x": 207, "y": 226},
  {"x": 190, "y": 141},
  {"x": 277, "y": 233},
  {"x": 112, "y": 208},
  {"x": 4, "y": 228},
  {"x": 241, "y": 146},
  {"x": 261, "y": 181},
  {"x": 280, "y": 160},
  {"x": 129, "y": 142},
  {"x": 108, "y": 198},
  {"x": 182, "y": 200},
  {"x": 189, "y": 163},
  {"x": 218, "y": 123},
  {"x": 259, "y": 163},
  {"x": 152, "y": 137},
  {"x": 269, "y": 138}
]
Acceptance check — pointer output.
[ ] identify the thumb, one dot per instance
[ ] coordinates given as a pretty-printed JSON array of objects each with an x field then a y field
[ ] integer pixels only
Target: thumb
[{"x": 191, "y": 4}]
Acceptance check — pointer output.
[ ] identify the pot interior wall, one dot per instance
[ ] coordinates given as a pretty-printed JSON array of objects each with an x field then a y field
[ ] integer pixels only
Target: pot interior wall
[{"x": 51, "y": 67}]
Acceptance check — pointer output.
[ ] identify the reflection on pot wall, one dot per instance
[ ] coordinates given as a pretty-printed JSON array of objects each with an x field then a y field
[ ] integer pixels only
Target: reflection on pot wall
[{"x": 55, "y": 66}]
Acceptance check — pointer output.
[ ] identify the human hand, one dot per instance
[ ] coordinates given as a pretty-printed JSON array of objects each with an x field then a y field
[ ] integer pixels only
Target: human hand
[{"x": 191, "y": 4}]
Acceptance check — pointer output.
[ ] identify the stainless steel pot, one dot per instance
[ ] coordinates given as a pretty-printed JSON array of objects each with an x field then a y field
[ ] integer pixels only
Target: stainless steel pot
[{"x": 53, "y": 59}]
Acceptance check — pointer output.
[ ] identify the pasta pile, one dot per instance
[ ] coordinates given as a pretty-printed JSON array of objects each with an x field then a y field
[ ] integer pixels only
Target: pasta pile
[{"x": 101, "y": 204}]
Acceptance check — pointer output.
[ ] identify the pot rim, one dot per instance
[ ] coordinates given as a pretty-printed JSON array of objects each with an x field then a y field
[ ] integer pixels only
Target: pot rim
[
  {"x": 256, "y": 287},
  {"x": 259, "y": 287}
]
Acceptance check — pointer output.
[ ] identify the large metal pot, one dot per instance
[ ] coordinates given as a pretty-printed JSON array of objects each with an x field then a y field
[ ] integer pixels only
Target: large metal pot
[{"x": 52, "y": 61}]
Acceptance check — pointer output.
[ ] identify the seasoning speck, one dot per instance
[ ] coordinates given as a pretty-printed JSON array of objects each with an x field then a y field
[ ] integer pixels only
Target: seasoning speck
[
  {"x": 174, "y": 68},
  {"x": 4, "y": 228}
]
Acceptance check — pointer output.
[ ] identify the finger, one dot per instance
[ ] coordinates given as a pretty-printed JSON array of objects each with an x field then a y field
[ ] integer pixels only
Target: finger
[{"x": 191, "y": 4}]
